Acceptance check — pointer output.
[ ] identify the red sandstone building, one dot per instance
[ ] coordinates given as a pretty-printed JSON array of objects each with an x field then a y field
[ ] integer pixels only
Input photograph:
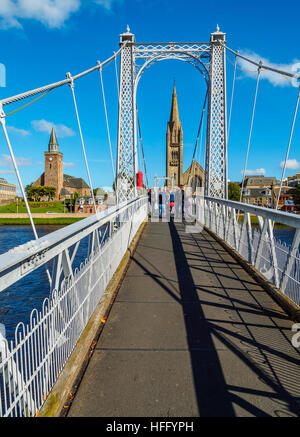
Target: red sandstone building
[
  {"x": 286, "y": 202},
  {"x": 54, "y": 176}
]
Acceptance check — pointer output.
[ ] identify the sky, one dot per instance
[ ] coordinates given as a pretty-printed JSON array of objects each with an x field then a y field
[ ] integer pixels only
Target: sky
[{"x": 42, "y": 40}]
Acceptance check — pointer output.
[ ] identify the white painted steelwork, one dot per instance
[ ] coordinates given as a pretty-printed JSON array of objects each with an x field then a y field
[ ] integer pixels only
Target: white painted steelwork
[
  {"x": 278, "y": 262},
  {"x": 30, "y": 365},
  {"x": 209, "y": 59}
]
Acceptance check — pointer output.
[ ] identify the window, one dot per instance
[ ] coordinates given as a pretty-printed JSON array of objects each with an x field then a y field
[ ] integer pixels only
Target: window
[{"x": 175, "y": 156}]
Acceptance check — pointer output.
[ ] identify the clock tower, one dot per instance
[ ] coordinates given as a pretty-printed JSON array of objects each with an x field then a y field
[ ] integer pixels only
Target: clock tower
[{"x": 54, "y": 173}]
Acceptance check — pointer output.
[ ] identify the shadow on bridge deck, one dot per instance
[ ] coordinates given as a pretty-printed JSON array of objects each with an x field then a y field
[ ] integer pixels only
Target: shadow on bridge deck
[{"x": 190, "y": 334}]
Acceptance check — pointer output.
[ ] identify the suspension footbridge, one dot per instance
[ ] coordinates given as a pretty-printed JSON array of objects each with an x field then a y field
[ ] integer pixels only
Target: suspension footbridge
[{"x": 190, "y": 314}]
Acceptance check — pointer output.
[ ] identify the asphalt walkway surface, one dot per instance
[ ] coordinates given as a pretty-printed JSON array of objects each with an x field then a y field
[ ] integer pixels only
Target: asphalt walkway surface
[{"x": 190, "y": 334}]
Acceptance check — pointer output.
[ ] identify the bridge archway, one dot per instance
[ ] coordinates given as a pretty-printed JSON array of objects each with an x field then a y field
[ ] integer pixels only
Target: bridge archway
[
  {"x": 209, "y": 59},
  {"x": 199, "y": 67}
]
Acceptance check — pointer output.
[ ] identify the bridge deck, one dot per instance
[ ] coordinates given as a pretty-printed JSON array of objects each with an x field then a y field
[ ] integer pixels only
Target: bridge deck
[{"x": 190, "y": 334}]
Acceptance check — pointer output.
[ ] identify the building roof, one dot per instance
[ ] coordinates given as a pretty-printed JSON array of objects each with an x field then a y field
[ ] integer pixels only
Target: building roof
[
  {"x": 64, "y": 192},
  {"x": 72, "y": 182},
  {"x": 53, "y": 144},
  {"x": 174, "y": 116},
  {"x": 284, "y": 190},
  {"x": 195, "y": 164},
  {"x": 258, "y": 192},
  {"x": 259, "y": 180}
]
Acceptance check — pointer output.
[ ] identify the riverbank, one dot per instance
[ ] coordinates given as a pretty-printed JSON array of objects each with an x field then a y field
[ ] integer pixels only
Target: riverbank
[
  {"x": 36, "y": 207},
  {"x": 254, "y": 221},
  {"x": 41, "y": 219}
]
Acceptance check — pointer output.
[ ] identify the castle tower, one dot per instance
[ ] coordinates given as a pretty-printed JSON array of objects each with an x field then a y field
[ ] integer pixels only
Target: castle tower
[
  {"x": 174, "y": 145},
  {"x": 54, "y": 173}
]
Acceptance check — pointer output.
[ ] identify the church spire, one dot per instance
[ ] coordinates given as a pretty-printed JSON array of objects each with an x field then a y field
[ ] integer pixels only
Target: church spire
[
  {"x": 53, "y": 144},
  {"x": 174, "y": 109}
]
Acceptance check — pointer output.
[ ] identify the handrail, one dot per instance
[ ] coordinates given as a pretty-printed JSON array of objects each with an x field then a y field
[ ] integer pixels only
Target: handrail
[
  {"x": 35, "y": 253},
  {"x": 285, "y": 218},
  {"x": 32, "y": 359},
  {"x": 277, "y": 261}
]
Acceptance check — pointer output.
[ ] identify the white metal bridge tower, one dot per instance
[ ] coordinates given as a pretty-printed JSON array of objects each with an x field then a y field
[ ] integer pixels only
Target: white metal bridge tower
[{"x": 209, "y": 59}]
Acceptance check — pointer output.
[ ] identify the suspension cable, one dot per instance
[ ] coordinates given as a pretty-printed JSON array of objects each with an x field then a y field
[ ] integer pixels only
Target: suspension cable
[
  {"x": 58, "y": 84},
  {"x": 250, "y": 132},
  {"x": 231, "y": 100},
  {"x": 198, "y": 134},
  {"x": 2, "y": 120},
  {"x": 107, "y": 124},
  {"x": 139, "y": 151},
  {"x": 264, "y": 68},
  {"x": 288, "y": 148},
  {"x": 238, "y": 67},
  {"x": 261, "y": 65},
  {"x": 15, "y": 165},
  {"x": 201, "y": 135},
  {"x": 119, "y": 103},
  {"x": 141, "y": 146},
  {"x": 71, "y": 83},
  {"x": 117, "y": 80},
  {"x": 27, "y": 104}
]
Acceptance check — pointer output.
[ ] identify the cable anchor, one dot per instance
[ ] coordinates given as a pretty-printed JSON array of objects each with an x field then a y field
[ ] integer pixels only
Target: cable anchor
[{"x": 71, "y": 83}]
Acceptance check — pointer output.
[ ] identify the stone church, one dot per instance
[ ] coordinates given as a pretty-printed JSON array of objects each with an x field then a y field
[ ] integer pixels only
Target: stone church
[
  {"x": 54, "y": 176},
  {"x": 195, "y": 175}
]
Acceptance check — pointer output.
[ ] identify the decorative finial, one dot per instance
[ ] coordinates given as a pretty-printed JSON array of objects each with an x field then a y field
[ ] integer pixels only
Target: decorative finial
[
  {"x": 217, "y": 29},
  {"x": 128, "y": 29}
]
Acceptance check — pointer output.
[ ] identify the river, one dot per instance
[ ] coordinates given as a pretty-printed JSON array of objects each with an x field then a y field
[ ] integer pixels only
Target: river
[{"x": 17, "y": 302}]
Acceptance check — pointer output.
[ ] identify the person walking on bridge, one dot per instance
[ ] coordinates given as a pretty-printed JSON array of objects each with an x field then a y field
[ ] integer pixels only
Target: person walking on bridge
[{"x": 160, "y": 202}]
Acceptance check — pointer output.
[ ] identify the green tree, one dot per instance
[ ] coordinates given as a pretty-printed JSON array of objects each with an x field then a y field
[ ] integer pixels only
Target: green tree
[
  {"x": 234, "y": 191},
  {"x": 28, "y": 191},
  {"x": 32, "y": 192},
  {"x": 37, "y": 192},
  {"x": 49, "y": 191},
  {"x": 296, "y": 195},
  {"x": 98, "y": 192},
  {"x": 75, "y": 196}
]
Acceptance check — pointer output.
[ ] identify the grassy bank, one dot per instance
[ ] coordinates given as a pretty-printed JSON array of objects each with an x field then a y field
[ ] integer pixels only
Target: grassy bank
[
  {"x": 35, "y": 207},
  {"x": 39, "y": 221},
  {"x": 254, "y": 221}
]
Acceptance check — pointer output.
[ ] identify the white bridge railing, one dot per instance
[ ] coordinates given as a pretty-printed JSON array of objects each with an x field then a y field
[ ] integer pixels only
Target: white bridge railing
[
  {"x": 31, "y": 363},
  {"x": 278, "y": 262}
]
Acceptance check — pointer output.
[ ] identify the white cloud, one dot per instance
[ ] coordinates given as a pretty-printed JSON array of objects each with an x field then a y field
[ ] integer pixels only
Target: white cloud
[
  {"x": 6, "y": 166},
  {"x": 69, "y": 164},
  {"x": 107, "y": 189},
  {"x": 99, "y": 160},
  {"x": 291, "y": 164},
  {"x": 258, "y": 171},
  {"x": 107, "y": 4},
  {"x": 45, "y": 126},
  {"x": 52, "y": 13},
  {"x": 16, "y": 130},
  {"x": 5, "y": 171},
  {"x": 275, "y": 79},
  {"x": 5, "y": 161}
]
